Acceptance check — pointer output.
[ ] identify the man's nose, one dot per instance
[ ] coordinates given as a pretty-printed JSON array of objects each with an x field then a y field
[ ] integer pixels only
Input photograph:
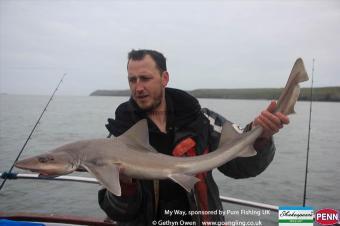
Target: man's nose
[{"x": 139, "y": 86}]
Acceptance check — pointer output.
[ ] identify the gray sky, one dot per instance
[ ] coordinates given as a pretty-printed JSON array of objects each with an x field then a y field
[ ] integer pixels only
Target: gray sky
[{"x": 208, "y": 44}]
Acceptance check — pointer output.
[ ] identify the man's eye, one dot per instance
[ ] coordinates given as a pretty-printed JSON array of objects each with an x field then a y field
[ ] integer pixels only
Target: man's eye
[
  {"x": 145, "y": 78},
  {"x": 132, "y": 80}
]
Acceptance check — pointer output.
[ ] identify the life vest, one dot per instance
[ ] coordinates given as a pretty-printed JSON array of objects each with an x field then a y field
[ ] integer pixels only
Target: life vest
[{"x": 187, "y": 148}]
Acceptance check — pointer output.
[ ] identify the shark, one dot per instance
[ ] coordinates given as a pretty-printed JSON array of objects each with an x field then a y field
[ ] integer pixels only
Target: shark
[{"x": 132, "y": 155}]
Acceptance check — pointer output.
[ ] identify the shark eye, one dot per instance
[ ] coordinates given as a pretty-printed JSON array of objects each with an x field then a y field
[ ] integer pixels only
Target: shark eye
[{"x": 45, "y": 159}]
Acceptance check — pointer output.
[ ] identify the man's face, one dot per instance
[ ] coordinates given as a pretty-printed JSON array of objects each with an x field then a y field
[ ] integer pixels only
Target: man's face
[{"x": 146, "y": 83}]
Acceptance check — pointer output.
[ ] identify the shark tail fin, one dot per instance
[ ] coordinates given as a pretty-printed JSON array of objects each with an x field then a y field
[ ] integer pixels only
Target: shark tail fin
[
  {"x": 299, "y": 68},
  {"x": 290, "y": 93}
]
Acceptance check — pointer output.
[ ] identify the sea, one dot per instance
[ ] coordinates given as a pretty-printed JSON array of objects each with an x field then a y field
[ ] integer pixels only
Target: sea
[{"x": 71, "y": 118}]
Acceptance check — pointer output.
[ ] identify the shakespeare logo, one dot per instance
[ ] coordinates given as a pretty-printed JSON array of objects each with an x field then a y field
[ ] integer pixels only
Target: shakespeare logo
[{"x": 295, "y": 215}]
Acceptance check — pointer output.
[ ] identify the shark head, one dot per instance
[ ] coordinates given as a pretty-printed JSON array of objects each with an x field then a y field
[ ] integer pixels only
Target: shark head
[{"x": 49, "y": 164}]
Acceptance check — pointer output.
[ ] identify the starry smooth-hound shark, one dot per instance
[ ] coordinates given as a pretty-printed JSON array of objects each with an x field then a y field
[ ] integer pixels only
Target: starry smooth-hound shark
[{"x": 131, "y": 154}]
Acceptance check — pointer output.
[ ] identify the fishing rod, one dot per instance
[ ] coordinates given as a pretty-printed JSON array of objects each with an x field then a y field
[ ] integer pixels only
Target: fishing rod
[
  {"x": 309, "y": 128},
  {"x": 29, "y": 136}
]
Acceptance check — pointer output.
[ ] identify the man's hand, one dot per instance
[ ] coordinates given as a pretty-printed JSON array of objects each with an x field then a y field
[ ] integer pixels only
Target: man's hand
[{"x": 269, "y": 121}]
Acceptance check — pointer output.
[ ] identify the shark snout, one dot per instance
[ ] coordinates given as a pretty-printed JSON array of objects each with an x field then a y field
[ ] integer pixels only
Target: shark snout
[
  {"x": 26, "y": 164},
  {"x": 48, "y": 164}
]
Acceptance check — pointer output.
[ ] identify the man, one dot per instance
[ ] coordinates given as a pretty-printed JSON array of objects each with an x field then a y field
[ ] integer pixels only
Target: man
[{"x": 177, "y": 126}]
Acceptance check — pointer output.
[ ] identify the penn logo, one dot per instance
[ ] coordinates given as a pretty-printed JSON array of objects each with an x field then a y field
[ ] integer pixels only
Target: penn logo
[{"x": 327, "y": 216}]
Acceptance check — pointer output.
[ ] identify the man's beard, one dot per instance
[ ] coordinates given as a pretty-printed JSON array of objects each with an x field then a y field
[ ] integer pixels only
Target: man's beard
[{"x": 156, "y": 103}]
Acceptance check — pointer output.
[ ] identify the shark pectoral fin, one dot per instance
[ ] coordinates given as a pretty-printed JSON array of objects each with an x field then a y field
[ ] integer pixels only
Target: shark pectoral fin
[
  {"x": 107, "y": 175},
  {"x": 186, "y": 181},
  {"x": 248, "y": 151}
]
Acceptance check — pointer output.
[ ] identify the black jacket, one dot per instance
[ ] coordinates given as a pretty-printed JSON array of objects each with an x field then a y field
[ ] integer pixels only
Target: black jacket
[{"x": 185, "y": 118}]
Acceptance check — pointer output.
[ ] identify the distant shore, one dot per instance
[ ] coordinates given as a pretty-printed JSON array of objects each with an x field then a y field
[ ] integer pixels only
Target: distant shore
[{"x": 319, "y": 93}]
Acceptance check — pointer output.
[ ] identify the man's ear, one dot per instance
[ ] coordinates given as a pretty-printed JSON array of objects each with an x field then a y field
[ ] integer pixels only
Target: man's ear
[{"x": 165, "y": 78}]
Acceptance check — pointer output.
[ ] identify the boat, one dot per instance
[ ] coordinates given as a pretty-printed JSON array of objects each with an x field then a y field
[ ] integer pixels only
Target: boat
[
  {"x": 62, "y": 220},
  {"x": 50, "y": 219}
]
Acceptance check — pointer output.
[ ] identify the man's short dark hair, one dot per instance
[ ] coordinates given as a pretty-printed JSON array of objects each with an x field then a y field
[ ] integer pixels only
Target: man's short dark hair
[{"x": 155, "y": 55}]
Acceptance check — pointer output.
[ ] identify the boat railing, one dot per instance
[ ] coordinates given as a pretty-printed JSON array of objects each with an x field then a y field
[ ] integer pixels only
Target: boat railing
[{"x": 94, "y": 181}]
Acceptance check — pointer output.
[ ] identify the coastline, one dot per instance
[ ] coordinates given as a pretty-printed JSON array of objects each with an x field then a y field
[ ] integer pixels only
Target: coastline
[{"x": 330, "y": 94}]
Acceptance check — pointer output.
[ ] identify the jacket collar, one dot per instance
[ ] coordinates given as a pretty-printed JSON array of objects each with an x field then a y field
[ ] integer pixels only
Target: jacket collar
[{"x": 182, "y": 108}]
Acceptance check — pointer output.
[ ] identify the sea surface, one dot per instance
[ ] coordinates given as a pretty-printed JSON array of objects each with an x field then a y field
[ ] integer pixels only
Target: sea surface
[{"x": 70, "y": 118}]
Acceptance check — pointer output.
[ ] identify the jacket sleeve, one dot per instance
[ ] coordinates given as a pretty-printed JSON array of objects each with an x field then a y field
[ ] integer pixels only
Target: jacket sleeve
[
  {"x": 121, "y": 208},
  {"x": 242, "y": 167}
]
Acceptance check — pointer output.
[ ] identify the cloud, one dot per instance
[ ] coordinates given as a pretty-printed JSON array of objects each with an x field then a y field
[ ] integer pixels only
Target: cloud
[{"x": 208, "y": 44}]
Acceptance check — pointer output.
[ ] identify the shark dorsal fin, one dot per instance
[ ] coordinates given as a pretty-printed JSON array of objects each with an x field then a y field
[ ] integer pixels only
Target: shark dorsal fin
[
  {"x": 138, "y": 131},
  {"x": 230, "y": 132},
  {"x": 138, "y": 136}
]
